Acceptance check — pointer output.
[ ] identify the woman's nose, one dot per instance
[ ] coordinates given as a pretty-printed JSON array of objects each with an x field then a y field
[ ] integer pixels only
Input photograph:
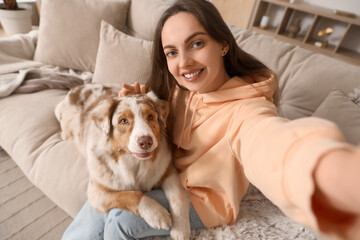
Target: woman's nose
[{"x": 185, "y": 59}]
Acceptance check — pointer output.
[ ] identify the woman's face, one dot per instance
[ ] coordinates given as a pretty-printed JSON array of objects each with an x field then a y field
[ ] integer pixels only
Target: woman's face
[{"x": 193, "y": 57}]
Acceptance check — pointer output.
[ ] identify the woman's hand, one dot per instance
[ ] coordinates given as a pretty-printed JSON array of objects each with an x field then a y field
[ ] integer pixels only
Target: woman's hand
[
  {"x": 132, "y": 89},
  {"x": 336, "y": 200},
  {"x": 337, "y": 176}
]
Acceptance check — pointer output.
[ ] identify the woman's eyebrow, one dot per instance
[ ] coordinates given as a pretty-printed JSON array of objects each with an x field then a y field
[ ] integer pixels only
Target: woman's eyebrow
[
  {"x": 194, "y": 35},
  {"x": 187, "y": 39}
]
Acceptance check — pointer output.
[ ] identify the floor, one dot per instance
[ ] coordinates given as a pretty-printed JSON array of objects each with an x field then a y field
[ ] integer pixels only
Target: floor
[{"x": 25, "y": 212}]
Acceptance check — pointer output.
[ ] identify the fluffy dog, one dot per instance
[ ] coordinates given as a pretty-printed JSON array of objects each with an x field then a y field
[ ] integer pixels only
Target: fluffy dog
[{"x": 123, "y": 140}]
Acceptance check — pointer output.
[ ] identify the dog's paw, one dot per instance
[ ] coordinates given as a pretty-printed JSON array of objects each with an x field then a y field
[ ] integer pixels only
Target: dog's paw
[
  {"x": 154, "y": 214},
  {"x": 181, "y": 227},
  {"x": 180, "y": 234}
]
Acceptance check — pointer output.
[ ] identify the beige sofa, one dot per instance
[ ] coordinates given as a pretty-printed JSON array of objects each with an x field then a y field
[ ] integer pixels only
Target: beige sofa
[{"x": 310, "y": 84}]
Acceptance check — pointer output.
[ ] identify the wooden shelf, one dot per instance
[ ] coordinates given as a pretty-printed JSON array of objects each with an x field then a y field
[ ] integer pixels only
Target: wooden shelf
[
  {"x": 267, "y": 31},
  {"x": 343, "y": 43}
]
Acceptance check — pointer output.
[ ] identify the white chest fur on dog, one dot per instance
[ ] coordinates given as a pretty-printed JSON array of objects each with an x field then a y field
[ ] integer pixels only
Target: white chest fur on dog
[{"x": 127, "y": 153}]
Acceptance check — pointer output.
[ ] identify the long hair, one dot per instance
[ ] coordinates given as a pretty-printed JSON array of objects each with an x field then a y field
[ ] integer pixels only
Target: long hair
[{"x": 237, "y": 62}]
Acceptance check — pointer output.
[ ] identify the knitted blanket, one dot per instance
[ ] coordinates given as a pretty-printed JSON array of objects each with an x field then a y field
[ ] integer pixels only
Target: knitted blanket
[{"x": 259, "y": 219}]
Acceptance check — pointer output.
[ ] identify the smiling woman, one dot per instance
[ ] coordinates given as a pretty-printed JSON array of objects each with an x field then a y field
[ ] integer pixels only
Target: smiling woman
[
  {"x": 213, "y": 29},
  {"x": 194, "y": 58}
]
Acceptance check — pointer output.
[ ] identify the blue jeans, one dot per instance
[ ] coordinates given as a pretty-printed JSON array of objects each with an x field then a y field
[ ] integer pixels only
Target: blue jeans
[{"x": 120, "y": 224}]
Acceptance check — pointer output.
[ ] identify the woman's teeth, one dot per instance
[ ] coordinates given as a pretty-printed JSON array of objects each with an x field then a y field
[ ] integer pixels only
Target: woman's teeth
[{"x": 190, "y": 75}]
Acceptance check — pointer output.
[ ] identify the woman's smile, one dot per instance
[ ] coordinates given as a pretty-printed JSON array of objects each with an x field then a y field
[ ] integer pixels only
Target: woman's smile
[{"x": 192, "y": 75}]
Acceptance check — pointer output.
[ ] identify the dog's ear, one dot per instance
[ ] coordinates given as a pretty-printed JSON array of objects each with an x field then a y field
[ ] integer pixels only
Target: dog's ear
[
  {"x": 162, "y": 106},
  {"x": 152, "y": 95},
  {"x": 102, "y": 115}
]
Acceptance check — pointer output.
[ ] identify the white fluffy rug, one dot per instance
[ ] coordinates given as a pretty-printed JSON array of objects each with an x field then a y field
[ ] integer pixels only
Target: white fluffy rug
[{"x": 259, "y": 219}]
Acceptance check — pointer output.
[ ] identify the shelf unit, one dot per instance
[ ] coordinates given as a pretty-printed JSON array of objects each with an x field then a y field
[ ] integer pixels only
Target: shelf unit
[{"x": 343, "y": 43}]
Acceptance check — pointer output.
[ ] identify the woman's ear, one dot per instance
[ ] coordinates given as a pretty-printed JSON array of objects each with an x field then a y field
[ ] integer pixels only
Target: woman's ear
[{"x": 225, "y": 48}]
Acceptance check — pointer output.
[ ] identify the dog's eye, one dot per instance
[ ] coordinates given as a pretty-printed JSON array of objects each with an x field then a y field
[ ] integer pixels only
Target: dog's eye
[
  {"x": 123, "y": 121},
  {"x": 150, "y": 117}
]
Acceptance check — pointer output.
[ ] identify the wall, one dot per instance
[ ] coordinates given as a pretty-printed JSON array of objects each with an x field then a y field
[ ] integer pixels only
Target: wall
[
  {"x": 236, "y": 12},
  {"x": 352, "y": 6}
]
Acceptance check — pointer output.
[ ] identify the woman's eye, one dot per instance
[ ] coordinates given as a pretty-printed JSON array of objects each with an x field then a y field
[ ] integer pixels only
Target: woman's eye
[
  {"x": 197, "y": 44},
  {"x": 123, "y": 121},
  {"x": 170, "y": 54}
]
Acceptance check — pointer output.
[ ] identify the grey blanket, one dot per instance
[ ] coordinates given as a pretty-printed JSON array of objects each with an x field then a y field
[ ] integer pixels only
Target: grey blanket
[
  {"x": 20, "y": 74},
  {"x": 32, "y": 80}
]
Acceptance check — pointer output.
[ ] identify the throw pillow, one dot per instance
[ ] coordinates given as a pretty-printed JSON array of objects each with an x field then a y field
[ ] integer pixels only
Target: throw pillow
[
  {"x": 345, "y": 113},
  {"x": 141, "y": 24},
  {"x": 69, "y": 30},
  {"x": 121, "y": 58}
]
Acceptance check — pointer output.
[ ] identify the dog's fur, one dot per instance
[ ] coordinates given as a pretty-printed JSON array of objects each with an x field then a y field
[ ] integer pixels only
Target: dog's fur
[{"x": 127, "y": 152}]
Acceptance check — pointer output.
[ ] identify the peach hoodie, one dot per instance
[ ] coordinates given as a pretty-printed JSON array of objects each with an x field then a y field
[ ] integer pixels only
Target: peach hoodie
[{"x": 231, "y": 136}]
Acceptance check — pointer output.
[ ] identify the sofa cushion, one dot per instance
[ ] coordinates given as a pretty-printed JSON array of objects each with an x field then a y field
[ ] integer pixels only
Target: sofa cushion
[
  {"x": 69, "y": 30},
  {"x": 144, "y": 16},
  {"x": 304, "y": 90},
  {"x": 30, "y": 134},
  {"x": 121, "y": 58},
  {"x": 345, "y": 113},
  {"x": 305, "y": 78}
]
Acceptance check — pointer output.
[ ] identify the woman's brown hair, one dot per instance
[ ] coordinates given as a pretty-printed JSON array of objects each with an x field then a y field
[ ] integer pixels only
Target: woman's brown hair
[{"x": 237, "y": 62}]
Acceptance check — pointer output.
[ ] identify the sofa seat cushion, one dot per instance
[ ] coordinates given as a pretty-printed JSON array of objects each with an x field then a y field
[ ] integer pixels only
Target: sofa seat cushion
[{"x": 30, "y": 134}]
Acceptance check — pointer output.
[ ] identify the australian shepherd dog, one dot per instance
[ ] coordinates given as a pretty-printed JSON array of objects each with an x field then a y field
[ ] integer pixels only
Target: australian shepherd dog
[{"x": 127, "y": 152}]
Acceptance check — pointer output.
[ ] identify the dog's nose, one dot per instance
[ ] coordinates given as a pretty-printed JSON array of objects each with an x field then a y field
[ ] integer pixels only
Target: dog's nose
[{"x": 145, "y": 142}]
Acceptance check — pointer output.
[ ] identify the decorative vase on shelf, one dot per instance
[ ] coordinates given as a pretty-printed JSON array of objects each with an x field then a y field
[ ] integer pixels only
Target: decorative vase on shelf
[
  {"x": 16, "y": 21},
  {"x": 294, "y": 29},
  {"x": 264, "y": 22}
]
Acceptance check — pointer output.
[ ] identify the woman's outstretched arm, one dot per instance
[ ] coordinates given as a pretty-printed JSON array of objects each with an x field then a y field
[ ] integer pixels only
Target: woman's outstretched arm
[{"x": 304, "y": 166}]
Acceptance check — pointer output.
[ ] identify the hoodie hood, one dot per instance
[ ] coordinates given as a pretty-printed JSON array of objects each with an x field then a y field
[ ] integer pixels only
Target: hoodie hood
[{"x": 199, "y": 107}]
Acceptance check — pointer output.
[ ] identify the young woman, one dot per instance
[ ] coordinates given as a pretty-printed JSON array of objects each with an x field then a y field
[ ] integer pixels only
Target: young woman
[{"x": 224, "y": 123}]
